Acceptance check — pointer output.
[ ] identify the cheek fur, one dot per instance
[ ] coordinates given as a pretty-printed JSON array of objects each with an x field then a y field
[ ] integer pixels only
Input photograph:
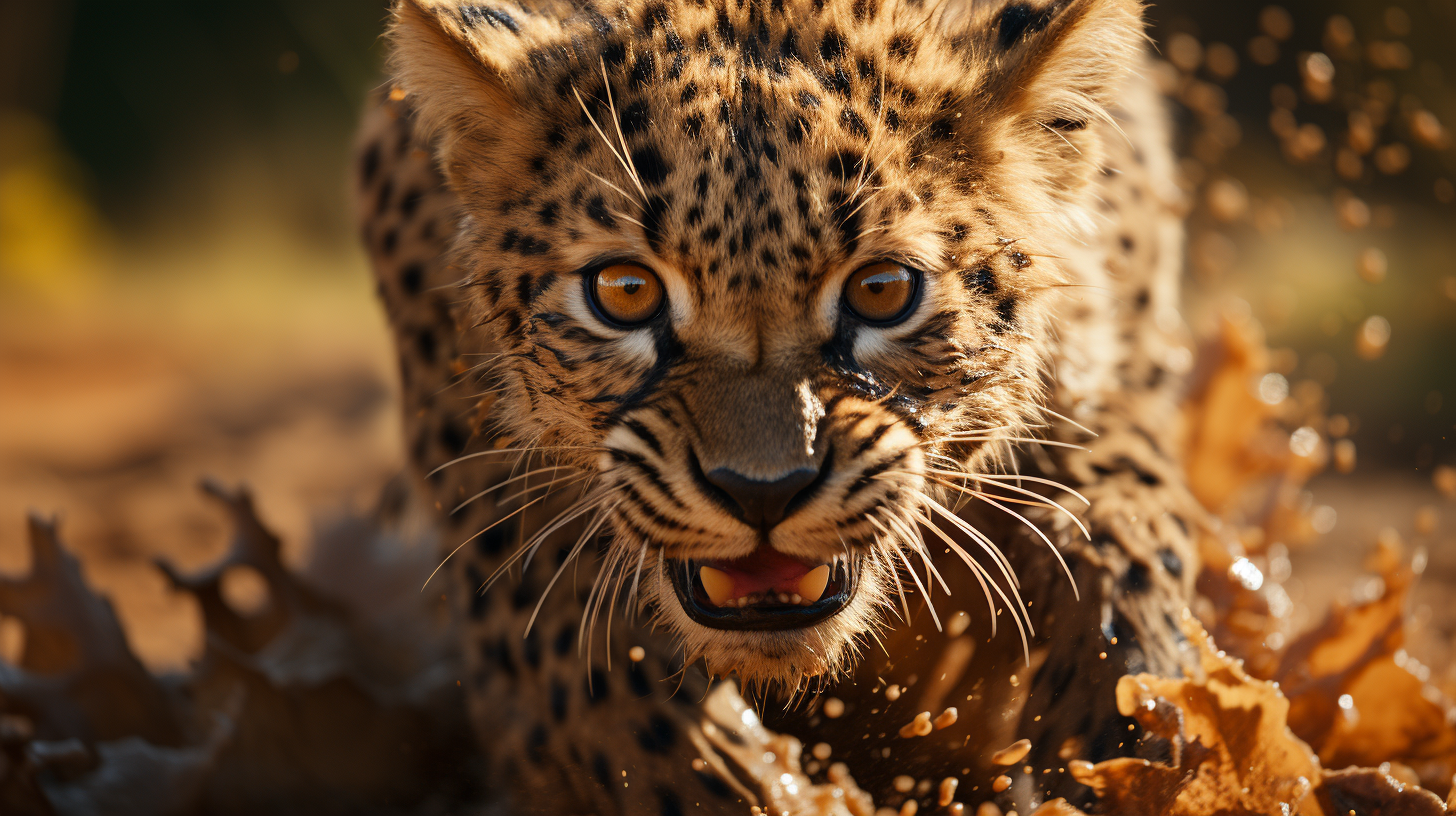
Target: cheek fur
[
  {"x": 884, "y": 343},
  {"x": 631, "y": 347}
]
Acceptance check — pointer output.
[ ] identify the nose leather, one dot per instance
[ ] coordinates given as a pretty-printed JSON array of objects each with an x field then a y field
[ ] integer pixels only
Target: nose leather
[
  {"x": 760, "y": 424},
  {"x": 761, "y": 504}
]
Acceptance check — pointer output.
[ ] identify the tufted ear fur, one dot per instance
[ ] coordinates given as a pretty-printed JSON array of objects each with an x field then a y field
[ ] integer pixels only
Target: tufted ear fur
[
  {"x": 1046, "y": 73},
  {"x": 1059, "y": 64},
  {"x": 461, "y": 66}
]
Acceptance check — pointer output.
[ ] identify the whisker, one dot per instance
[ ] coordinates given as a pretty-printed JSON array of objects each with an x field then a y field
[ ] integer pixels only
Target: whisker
[
  {"x": 617, "y": 123},
  {"x": 993, "y": 477},
  {"x": 603, "y": 514},
  {"x": 499, "y": 485},
  {"x": 493, "y": 524},
  {"x": 929, "y": 604},
  {"x": 1074, "y": 423},
  {"x": 1037, "y": 530},
  {"x": 613, "y": 185},
  {"x": 942, "y": 457},
  {"x": 1027, "y": 439},
  {"x": 861, "y": 206},
  {"x": 1041, "y": 501},
  {"x": 1058, "y": 134},
  {"x": 918, "y": 546},
  {"x": 899, "y": 586},
  {"x": 593, "y": 605},
  {"x": 987, "y": 431},
  {"x": 619, "y": 566},
  {"x": 575, "y": 551},
  {"x": 573, "y": 512},
  {"x": 967, "y": 491},
  {"x": 977, "y": 571},
  {"x": 874, "y": 633},
  {"x": 636, "y": 579},
  {"x": 867, "y": 231},
  {"x": 497, "y": 451},
  {"x": 524, "y": 460},
  {"x": 890, "y": 518},
  {"x": 627, "y": 218},
  {"x": 460, "y": 378},
  {"x": 1045, "y": 504},
  {"x": 603, "y": 133},
  {"x": 998, "y": 557},
  {"x": 617, "y": 562},
  {"x": 529, "y": 548},
  {"x": 1017, "y": 611},
  {"x": 661, "y": 561}
]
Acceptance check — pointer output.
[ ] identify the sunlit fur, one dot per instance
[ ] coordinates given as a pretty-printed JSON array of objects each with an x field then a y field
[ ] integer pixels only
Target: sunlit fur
[{"x": 754, "y": 157}]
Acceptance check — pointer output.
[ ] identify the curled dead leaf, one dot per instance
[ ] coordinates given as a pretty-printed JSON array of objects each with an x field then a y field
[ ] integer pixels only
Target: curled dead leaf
[{"x": 1225, "y": 738}]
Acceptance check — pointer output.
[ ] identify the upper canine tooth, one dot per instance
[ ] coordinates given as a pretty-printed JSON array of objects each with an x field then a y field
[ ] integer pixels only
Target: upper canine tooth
[
  {"x": 812, "y": 585},
  {"x": 718, "y": 585}
]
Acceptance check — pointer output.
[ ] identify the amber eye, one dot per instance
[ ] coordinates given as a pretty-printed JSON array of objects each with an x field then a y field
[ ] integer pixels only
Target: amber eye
[
  {"x": 881, "y": 293},
  {"x": 627, "y": 293}
]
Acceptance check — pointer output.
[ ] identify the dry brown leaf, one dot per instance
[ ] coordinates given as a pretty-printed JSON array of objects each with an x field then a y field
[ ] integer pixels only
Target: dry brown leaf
[
  {"x": 325, "y": 705},
  {"x": 1231, "y": 752},
  {"x": 1241, "y": 619},
  {"x": 1230, "y": 748},
  {"x": 1057, "y": 807},
  {"x": 1233, "y": 440},
  {"x": 1241, "y": 467},
  {"x": 75, "y": 648},
  {"x": 1373, "y": 792},
  {"x": 1354, "y": 694}
]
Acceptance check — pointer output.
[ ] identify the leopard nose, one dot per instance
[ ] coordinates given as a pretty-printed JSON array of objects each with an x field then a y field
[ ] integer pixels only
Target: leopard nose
[{"x": 762, "y": 504}]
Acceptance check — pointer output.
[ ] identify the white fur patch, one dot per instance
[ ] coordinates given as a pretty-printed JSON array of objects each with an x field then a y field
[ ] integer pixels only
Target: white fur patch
[{"x": 634, "y": 345}]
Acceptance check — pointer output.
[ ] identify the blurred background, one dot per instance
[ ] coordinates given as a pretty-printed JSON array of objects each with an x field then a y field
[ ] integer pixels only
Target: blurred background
[{"x": 181, "y": 294}]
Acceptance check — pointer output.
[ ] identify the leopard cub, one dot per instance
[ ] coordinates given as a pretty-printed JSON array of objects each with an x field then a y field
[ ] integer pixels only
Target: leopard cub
[{"x": 779, "y": 331}]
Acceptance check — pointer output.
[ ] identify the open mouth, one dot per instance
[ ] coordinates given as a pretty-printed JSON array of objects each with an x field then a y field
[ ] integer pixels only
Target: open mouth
[{"x": 763, "y": 590}]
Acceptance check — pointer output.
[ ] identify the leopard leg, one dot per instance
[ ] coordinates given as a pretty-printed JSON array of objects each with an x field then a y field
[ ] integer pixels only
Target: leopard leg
[
  {"x": 1135, "y": 571},
  {"x": 1120, "y": 379}
]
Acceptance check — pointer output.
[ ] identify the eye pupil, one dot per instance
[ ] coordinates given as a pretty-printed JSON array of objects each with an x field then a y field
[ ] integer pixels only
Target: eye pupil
[
  {"x": 875, "y": 287},
  {"x": 631, "y": 288}
]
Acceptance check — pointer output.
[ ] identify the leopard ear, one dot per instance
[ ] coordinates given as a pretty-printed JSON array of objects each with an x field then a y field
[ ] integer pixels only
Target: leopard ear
[
  {"x": 1059, "y": 64},
  {"x": 458, "y": 65}
]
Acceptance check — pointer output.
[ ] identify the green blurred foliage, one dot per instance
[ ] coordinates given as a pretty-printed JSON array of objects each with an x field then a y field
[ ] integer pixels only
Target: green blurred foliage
[{"x": 152, "y": 98}]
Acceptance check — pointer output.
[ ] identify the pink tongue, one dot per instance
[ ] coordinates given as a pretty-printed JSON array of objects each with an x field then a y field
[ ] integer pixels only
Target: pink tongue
[{"x": 765, "y": 570}]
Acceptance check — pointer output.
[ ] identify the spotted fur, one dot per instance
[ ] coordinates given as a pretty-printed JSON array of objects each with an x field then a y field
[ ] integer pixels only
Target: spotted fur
[{"x": 754, "y": 155}]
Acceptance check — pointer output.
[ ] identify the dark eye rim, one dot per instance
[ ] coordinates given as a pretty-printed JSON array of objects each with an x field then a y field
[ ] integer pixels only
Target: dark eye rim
[
  {"x": 588, "y": 282},
  {"x": 917, "y": 280}
]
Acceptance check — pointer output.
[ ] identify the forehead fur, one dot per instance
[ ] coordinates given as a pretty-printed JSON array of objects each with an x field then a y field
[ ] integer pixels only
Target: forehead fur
[{"x": 683, "y": 118}]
